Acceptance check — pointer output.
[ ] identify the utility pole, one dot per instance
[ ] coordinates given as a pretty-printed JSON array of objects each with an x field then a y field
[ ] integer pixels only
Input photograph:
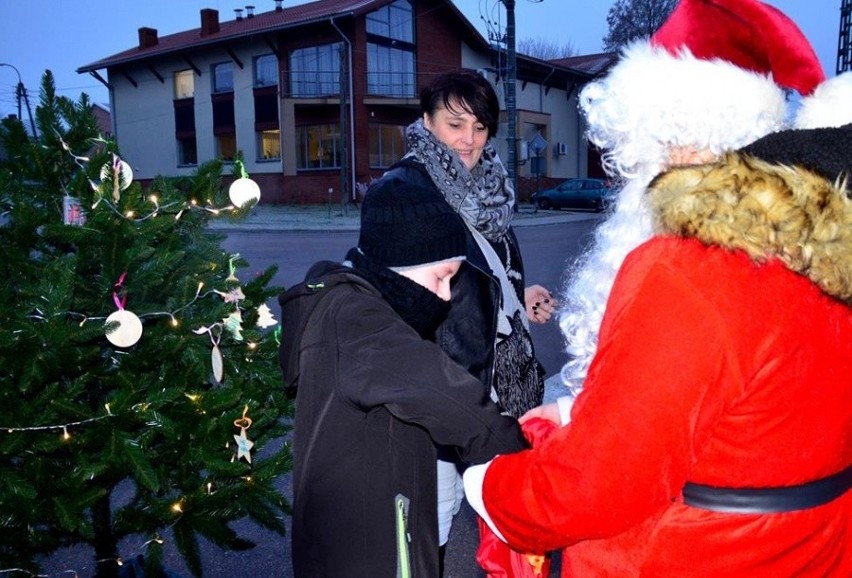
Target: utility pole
[
  {"x": 511, "y": 98},
  {"x": 21, "y": 94}
]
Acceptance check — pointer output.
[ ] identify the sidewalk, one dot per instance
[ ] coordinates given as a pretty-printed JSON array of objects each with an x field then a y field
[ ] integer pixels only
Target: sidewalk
[{"x": 267, "y": 218}]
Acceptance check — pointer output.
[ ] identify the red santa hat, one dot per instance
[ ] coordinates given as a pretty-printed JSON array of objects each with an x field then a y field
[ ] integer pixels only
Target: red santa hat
[
  {"x": 713, "y": 76},
  {"x": 750, "y": 34}
]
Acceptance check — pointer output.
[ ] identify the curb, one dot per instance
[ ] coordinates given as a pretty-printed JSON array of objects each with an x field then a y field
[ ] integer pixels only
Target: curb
[{"x": 278, "y": 219}]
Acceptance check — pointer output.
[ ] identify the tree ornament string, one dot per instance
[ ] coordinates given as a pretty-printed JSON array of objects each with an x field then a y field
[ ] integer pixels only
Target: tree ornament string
[{"x": 244, "y": 444}]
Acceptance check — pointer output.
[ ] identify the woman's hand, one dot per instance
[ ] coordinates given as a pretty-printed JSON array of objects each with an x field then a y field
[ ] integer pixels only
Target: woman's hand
[
  {"x": 540, "y": 305},
  {"x": 549, "y": 412}
]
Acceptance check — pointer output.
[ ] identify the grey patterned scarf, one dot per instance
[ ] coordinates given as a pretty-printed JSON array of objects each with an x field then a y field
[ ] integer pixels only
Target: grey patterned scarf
[{"x": 484, "y": 196}]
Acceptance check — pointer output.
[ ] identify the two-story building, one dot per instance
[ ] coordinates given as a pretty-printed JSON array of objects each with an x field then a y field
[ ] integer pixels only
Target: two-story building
[{"x": 316, "y": 96}]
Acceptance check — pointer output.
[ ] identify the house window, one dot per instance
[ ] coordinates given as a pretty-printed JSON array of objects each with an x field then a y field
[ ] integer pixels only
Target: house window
[
  {"x": 266, "y": 123},
  {"x": 315, "y": 71},
  {"x": 223, "y": 77},
  {"x": 390, "y": 71},
  {"x": 187, "y": 151},
  {"x": 226, "y": 146},
  {"x": 224, "y": 125},
  {"x": 318, "y": 147},
  {"x": 394, "y": 21},
  {"x": 266, "y": 70},
  {"x": 269, "y": 145},
  {"x": 184, "y": 84},
  {"x": 390, "y": 51},
  {"x": 387, "y": 144}
]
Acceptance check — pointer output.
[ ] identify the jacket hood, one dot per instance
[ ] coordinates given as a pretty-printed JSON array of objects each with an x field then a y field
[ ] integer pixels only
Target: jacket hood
[
  {"x": 299, "y": 303},
  {"x": 767, "y": 210}
]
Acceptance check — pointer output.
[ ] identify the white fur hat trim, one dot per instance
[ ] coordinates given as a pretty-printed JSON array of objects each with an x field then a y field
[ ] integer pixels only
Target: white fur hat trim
[
  {"x": 830, "y": 105},
  {"x": 652, "y": 100}
]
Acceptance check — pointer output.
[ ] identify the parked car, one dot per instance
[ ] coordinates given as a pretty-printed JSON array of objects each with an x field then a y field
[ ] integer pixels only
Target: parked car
[{"x": 579, "y": 193}]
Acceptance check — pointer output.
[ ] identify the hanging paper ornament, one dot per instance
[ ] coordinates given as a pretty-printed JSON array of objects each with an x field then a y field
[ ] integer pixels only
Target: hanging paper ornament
[
  {"x": 244, "y": 444},
  {"x": 129, "y": 329},
  {"x": 243, "y": 190},
  {"x": 121, "y": 173},
  {"x": 216, "y": 360},
  {"x": 234, "y": 324},
  {"x": 72, "y": 211},
  {"x": 264, "y": 317},
  {"x": 218, "y": 363},
  {"x": 235, "y": 295}
]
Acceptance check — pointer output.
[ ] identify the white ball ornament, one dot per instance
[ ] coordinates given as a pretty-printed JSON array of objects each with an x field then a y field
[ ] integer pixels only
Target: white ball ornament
[
  {"x": 124, "y": 170},
  {"x": 129, "y": 328},
  {"x": 244, "y": 190}
]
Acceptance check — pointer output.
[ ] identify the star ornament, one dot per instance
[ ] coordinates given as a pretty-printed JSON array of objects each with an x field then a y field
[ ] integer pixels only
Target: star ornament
[{"x": 244, "y": 445}]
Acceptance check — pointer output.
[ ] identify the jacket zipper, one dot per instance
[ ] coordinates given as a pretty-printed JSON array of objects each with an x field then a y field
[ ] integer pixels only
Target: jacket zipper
[{"x": 403, "y": 569}]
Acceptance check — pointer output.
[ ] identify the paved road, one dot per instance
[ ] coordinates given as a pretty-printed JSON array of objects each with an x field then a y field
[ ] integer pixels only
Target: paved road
[{"x": 548, "y": 243}]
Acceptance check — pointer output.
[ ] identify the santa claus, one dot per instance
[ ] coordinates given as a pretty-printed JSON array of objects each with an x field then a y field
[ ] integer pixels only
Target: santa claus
[{"x": 710, "y": 325}]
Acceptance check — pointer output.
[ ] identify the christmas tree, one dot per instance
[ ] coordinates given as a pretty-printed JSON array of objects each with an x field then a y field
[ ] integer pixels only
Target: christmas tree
[{"x": 139, "y": 380}]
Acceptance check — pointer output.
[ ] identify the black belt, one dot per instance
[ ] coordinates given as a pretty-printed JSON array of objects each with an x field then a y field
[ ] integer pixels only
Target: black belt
[{"x": 768, "y": 500}]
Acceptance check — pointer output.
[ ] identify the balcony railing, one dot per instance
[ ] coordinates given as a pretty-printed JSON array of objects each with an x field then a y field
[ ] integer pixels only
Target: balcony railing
[{"x": 327, "y": 84}]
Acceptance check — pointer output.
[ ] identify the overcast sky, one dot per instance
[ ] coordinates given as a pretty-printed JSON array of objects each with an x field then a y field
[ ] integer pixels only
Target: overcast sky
[{"x": 62, "y": 35}]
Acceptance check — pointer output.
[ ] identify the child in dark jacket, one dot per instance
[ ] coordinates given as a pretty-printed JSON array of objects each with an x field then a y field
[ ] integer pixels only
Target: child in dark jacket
[{"x": 375, "y": 394}]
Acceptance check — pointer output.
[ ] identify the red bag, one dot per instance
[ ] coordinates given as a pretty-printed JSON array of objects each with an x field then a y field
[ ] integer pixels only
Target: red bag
[
  {"x": 495, "y": 556},
  {"x": 500, "y": 561}
]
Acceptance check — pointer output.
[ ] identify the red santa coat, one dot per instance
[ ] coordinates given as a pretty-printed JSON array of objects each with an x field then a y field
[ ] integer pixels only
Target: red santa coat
[{"x": 714, "y": 369}]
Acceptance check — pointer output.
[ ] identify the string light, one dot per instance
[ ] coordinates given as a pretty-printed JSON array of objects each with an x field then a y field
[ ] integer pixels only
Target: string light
[{"x": 64, "y": 427}]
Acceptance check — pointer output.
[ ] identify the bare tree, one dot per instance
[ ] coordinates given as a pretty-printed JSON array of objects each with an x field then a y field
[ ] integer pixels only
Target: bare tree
[
  {"x": 545, "y": 49},
  {"x": 632, "y": 19}
]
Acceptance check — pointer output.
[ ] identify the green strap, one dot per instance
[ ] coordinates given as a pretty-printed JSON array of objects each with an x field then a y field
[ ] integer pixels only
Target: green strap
[{"x": 404, "y": 568}]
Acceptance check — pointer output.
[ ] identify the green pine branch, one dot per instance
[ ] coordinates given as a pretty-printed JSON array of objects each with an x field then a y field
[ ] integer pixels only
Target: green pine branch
[{"x": 101, "y": 442}]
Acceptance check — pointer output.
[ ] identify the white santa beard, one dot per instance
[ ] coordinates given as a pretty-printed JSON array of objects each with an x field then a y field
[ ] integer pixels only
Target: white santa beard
[{"x": 591, "y": 277}]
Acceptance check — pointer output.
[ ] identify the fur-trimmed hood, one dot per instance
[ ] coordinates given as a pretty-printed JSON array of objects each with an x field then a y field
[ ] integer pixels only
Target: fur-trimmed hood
[{"x": 767, "y": 210}]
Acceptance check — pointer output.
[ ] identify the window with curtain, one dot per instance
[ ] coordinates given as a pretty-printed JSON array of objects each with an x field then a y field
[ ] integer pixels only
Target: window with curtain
[
  {"x": 387, "y": 144},
  {"x": 315, "y": 70},
  {"x": 394, "y": 21},
  {"x": 266, "y": 70},
  {"x": 184, "y": 84},
  {"x": 269, "y": 145},
  {"x": 318, "y": 147},
  {"x": 223, "y": 77},
  {"x": 391, "y": 50}
]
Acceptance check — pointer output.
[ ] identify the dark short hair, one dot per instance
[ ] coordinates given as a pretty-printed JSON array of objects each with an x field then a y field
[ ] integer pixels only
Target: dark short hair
[{"x": 464, "y": 86}]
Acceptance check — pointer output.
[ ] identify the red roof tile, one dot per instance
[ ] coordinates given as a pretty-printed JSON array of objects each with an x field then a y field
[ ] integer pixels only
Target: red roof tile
[{"x": 271, "y": 21}]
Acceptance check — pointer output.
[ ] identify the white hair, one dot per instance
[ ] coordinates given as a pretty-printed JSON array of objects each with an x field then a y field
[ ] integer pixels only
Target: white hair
[{"x": 650, "y": 102}]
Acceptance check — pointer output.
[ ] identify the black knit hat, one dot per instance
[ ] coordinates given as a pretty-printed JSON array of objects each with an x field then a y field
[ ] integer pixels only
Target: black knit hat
[
  {"x": 825, "y": 151},
  {"x": 405, "y": 226}
]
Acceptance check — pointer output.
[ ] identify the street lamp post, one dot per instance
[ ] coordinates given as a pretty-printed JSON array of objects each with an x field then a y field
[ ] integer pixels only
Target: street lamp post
[{"x": 21, "y": 93}]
